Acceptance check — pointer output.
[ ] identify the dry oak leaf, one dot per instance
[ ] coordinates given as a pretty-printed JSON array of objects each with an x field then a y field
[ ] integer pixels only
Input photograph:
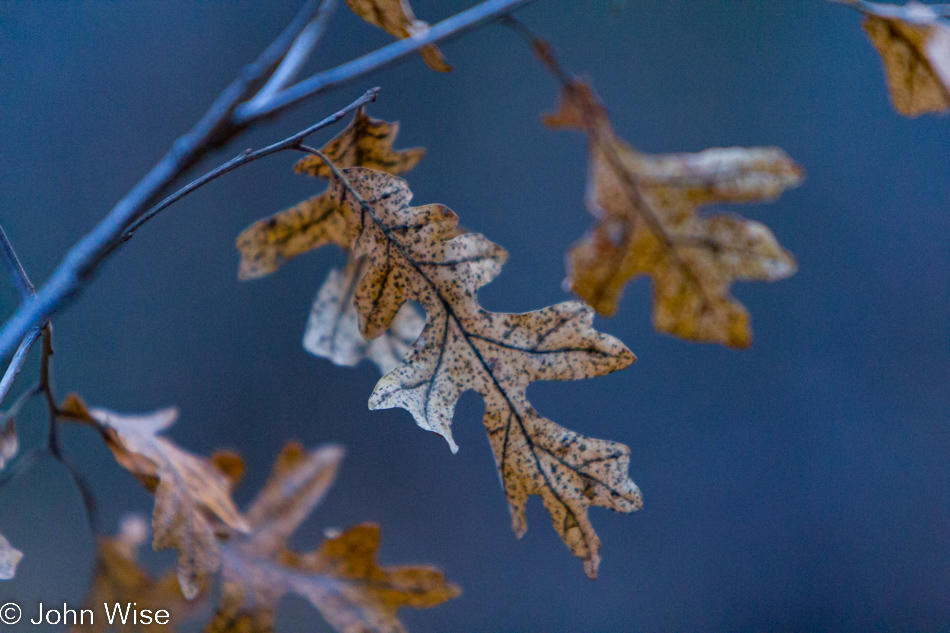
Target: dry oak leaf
[
  {"x": 9, "y": 558},
  {"x": 648, "y": 224},
  {"x": 366, "y": 142},
  {"x": 396, "y": 18},
  {"x": 191, "y": 494},
  {"x": 341, "y": 578},
  {"x": 118, "y": 578},
  {"x": 268, "y": 244},
  {"x": 417, "y": 254},
  {"x": 914, "y": 43},
  {"x": 333, "y": 330}
]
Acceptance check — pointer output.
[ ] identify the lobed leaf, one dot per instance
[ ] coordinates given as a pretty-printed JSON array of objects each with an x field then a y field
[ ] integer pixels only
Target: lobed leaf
[
  {"x": 341, "y": 578},
  {"x": 268, "y": 244},
  {"x": 648, "y": 224},
  {"x": 191, "y": 494},
  {"x": 417, "y": 254}
]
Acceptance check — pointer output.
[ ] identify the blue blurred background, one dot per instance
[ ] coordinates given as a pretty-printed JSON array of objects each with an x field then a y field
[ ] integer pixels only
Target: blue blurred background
[{"x": 799, "y": 485}]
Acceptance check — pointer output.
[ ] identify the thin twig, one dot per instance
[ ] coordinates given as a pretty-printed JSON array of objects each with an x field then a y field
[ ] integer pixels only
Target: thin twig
[
  {"x": 53, "y": 445},
  {"x": 22, "y": 283},
  {"x": 46, "y": 388},
  {"x": 461, "y": 23},
  {"x": 16, "y": 364},
  {"x": 14, "y": 409},
  {"x": 247, "y": 156},
  {"x": 25, "y": 288}
]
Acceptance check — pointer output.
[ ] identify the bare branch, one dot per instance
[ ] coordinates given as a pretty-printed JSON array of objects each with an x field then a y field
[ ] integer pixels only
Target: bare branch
[{"x": 458, "y": 24}]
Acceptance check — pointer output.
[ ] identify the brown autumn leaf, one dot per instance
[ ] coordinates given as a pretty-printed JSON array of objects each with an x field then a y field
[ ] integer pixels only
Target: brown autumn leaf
[
  {"x": 914, "y": 43},
  {"x": 648, "y": 224},
  {"x": 418, "y": 254},
  {"x": 341, "y": 578},
  {"x": 396, "y": 18},
  {"x": 118, "y": 578},
  {"x": 268, "y": 244},
  {"x": 366, "y": 142},
  {"x": 9, "y": 558},
  {"x": 191, "y": 493},
  {"x": 333, "y": 330}
]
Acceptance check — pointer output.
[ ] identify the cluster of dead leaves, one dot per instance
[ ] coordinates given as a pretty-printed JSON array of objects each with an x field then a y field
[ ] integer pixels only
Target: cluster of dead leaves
[
  {"x": 195, "y": 515},
  {"x": 402, "y": 255},
  {"x": 914, "y": 43}
]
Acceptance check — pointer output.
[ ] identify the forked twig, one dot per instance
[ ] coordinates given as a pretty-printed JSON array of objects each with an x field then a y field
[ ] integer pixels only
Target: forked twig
[
  {"x": 22, "y": 462},
  {"x": 297, "y": 55}
]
